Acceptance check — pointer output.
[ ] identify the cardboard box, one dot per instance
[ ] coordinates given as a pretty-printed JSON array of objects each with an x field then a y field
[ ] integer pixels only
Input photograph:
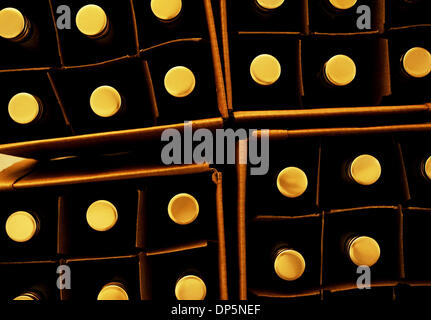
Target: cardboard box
[{"x": 73, "y": 181}]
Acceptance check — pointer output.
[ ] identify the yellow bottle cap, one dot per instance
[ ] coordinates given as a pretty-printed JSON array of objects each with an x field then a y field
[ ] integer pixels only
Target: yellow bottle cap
[
  {"x": 364, "y": 251},
  {"x": 428, "y": 167},
  {"x": 105, "y": 101},
  {"x": 21, "y": 226},
  {"x": 340, "y": 70},
  {"x": 292, "y": 182},
  {"x": 27, "y": 297},
  {"x": 166, "y": 9},
  {"x": 102, "y": 215},
  {"x": 289, "y": 265},
  {"x": 179, "y": 81},
  {"x": 24, "y": 108},
  {"x": 365, "y": 169},
  {"x": 183, "y": 208},
  {"x": 270, "y": 4},
  {"x": 265, "y": 69},
  {"x": 190, "y": 288},
  {"x": 12, "y": 23},
  {"x": 113, "y": 291},
  {"x": 91, "y": 20},
  {"x": 343, "y": 4},
  {"x": 417, "y": 62}
]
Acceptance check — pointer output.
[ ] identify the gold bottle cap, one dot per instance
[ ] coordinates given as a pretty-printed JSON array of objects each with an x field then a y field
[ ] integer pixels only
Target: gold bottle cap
[
  {"x": 270, "y": 4},
  {"x": 12, "y": 23},
  {"x": 427, "y": 167},
  {"x": 21, "y": 226},
  {"x": 102, "y": 215},
  {"x": 113, "y": 291},
  {"x": 417, "y": 62},
  {"x": 265, "y": 69},
  {"x": 289, "y": 264},
  {"x": 343, "y": 4},
  {"x": 91, "y": 20},
  {"x": 105, "y": 101},
  {"x": 340, "y": 70},
  {"x": 365, "y": 169},
  {"x": 166, "y": 9},
  {"x": 190, "y": 288},
  {"x": 180, "y": 81},
  {"x": 364, "y": 251},
  {"x": 292, "y": 182},
  {"x": 183, "y": 208},
  {"x": 27, "y": 297},
  {"x": 24, "y": 108}
]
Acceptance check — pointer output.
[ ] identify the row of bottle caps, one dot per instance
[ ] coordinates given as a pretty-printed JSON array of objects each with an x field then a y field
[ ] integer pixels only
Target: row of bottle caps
[
  {"x": 364, "y": 170},
  {"x": 187, "y": 287},
  {"x": 102, "y": 215},
  {"x": 340, "y": 70},
  {"x": 105, "y": 101},
  {"x": 91, "y": 20}
]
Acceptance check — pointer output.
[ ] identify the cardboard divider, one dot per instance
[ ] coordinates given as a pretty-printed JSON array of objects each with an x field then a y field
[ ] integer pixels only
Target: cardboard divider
[
  {"x": 402, "y": 272},
  {"x": 218, "y": 71},
  {"x": 268, "y": 115},
  {"x": 113, "y": 141},
  {"x": 241, "y": 153},
  {"x": 60, "y": 103},
  {"x": 10, "y": 175},
  {"x": 275, "y": 294},
  {"x": 60, "y": 53},
  {"x": 135, "y": 25},
  {"x": 144, "y": 277}
]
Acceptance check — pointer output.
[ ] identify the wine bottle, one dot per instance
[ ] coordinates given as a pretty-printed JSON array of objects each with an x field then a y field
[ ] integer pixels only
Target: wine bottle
[
  {"x": 190, "y": 287},
  {"x": 183, "y": 208},
  {"x": 25, "y": 108},
  {"x": 179, "y": 81},
  {"x": 289, "y": 264},
  {"x": 166, "y": 11},
  {"x": 269, "y": 4},
  {"x": 339, "y": 71},
  {"x": 362, "y": 250},
  {"x": 102, "y": 215},
  {"x": 106, "y": 101},
  {"x": 416, "y": 63},
  {"x": 426, "y": 168},
  {"x": 364, "y": 170},
  {"x": 113, "y": 291},
  {"x": 22, "y": 226},
  {"x": 340, "y": 5},
  {"x": 92, "y": 21},
  {"x": 14, "y": 26},
  {"x": 265, "y": 69},
  {"x": 292, "y": 182}
]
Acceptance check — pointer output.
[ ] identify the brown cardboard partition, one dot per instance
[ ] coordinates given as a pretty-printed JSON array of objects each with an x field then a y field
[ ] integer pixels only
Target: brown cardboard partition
[
  {"x": 374, "y": 101},
  {"x": 126, "y": 183},
  {"x": 114, "y": 141},
  {"x": 397, "y": 223},
  {"x": 90, "y": 63}
]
